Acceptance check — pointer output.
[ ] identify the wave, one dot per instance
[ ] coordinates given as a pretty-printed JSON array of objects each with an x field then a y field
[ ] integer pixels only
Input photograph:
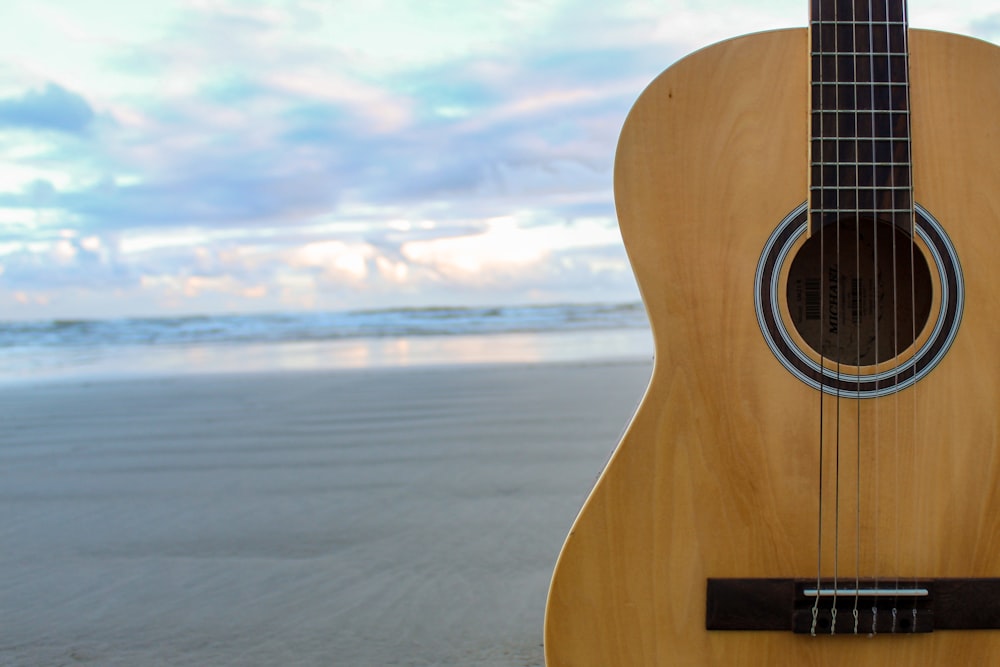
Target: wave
[{"x": 319, "y": 326}]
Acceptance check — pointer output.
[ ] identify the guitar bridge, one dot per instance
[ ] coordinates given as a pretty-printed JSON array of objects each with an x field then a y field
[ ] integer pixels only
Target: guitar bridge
[{"x": 865, "y": 607}]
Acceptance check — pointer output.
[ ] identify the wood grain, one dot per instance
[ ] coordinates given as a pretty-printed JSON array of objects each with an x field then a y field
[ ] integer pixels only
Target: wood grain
[{"x": 718, "y": 473}]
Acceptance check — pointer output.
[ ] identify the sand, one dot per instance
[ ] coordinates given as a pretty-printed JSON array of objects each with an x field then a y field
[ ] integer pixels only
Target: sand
[{"x": 345, "y": 517}]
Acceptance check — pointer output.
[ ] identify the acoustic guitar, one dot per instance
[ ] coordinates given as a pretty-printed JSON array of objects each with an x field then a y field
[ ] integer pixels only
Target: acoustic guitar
[{"x": 813, "y": 474}]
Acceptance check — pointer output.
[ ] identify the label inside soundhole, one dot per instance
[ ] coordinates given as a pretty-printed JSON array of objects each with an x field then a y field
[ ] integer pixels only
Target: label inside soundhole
[{"x": 859, "y": 292}]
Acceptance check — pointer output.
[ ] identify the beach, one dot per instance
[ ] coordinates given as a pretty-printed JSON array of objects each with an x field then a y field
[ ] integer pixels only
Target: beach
[{"x": 381, "y": 514}]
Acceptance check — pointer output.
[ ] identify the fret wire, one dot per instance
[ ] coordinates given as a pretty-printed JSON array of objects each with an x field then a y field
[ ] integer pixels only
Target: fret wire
[
  {"x": 865, "y": 112},
  {"x": 824, "y": 211},
  {"x": 872, "y": 23},
  {"x": 849, "y": 163},
  {"x": 898, "y": 140},
  {"x": 901, "y": 84},
  {"x": 861, "y": 188},
  {"x": 894, "y": 54}
]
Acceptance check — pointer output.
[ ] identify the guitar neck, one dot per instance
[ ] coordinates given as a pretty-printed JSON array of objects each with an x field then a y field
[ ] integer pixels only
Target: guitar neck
[{"x": 860, "y": 112}]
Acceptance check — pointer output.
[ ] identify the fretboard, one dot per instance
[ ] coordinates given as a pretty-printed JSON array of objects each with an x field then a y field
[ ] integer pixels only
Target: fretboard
[{"x": 860, "y": 112}]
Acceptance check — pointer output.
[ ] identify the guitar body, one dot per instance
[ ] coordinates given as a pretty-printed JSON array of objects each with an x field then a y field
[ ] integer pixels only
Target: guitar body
[{"x": 717, "y": 474}]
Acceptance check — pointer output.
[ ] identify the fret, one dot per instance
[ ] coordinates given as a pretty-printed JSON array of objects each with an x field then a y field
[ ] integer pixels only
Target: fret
[
  {"x": 859, "y": 140},
  {"x": 876, "y": 54},
  {"x": 835, "y": 22},
  {"x": 865, "y": 189},
  {"x": 870, "y": 150},
  {"x": 882, "y": 142},
  {"x": 847, "y": 209},
  {"x": 842, "y": 194},
  {"x": 821, "y": 218},
  {"x": 865, "y": 198},
  {"x": 854, "y": 188},
  {"x": 858, "y": 38},
  {"x": 892, "y": 11},
  {"x": 865, "y": 97},
  {"x": 891, "y": 84},
  {"x": 860, "y": 123},
  {"x": 898, "y": 192},
  {"x": 867, "y": 64},
  {"x": 842, "y": 140},
  {"x": 856, "y": 164},
  {"x": 861, "y": 112},
  {"x": 827, "y": 174},
  {"x": 877, "y": 69},
  {"x": 882, "y": 171}
]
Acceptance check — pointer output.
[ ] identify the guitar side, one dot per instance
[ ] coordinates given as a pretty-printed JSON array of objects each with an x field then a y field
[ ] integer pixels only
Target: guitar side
[{"x": 716, "y": 475}]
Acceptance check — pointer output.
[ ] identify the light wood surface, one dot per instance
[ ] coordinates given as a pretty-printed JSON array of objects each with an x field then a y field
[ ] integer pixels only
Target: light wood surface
[{"x": 717, "y": 475}]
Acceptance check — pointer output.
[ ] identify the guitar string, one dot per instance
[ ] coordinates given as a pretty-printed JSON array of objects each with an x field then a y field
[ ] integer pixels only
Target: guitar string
[
  {"x": 893, "y": 170},
  {"x": 876, "y": 301},
  {"x": 856, "y": 315},
  {"x": 817, "y": 35},
  {"x": 838, "y": 313},
  {"x": 835, "y": 275},
  {"x": 913, "y": 312}
]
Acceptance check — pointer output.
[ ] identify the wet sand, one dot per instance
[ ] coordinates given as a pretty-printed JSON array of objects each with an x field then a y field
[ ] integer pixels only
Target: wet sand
[{"x": 389, "y": 516}]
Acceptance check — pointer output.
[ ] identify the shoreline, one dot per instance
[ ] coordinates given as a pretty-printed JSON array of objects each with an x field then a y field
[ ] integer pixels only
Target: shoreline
[{"x": 94, "y": 363}]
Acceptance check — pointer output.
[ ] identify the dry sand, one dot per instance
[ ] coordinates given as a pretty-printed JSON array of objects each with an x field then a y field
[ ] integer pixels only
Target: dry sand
[{"x": 369, "y": 518}]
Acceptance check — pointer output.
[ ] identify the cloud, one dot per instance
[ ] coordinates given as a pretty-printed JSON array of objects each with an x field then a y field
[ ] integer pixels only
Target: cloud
[
  {"x": 283, "y": 154},
  {"x": 301, "y": 153},
  {"x": 333, "y": 187},
  {"x": 51, "y": 108},
  {"x": 987, "y": 27}
]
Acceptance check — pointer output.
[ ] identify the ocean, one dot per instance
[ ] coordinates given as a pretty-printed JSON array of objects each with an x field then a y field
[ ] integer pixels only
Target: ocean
[{"x": 61, "y": 349}]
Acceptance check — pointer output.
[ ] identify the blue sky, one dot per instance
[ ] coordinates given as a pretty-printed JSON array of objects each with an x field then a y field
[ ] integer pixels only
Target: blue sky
[{"x": 201, "y": 156}]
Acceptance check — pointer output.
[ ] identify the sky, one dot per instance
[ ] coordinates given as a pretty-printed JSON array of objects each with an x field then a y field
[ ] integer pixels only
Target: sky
[{"x": 216, "y": 156}]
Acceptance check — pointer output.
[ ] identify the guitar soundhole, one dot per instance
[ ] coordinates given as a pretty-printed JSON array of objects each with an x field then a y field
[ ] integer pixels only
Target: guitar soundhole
[
  {"x": 854, "y": 310},
  {"x": 859, "y": 292}
]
